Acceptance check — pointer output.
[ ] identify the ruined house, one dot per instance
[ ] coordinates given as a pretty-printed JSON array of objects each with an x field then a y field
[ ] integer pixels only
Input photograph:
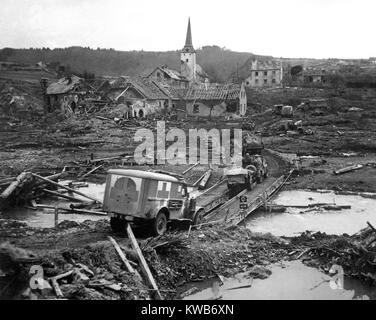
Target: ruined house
[
  {"x": 264, "y": 74},
  {"x": 68, "y": 94},
  {"x": 216, "y": 100},
  {"x": 141, "y": 97},
  {"x": 169, "y": 76},
  {"x": 314, "y": 76}
]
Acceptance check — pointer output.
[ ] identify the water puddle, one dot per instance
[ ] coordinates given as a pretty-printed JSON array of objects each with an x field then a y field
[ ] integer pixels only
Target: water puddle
[
  {"x": 293, "y": 221},
  {"x": 44, "y": 218},
  {"x": 289, "y": 281}
]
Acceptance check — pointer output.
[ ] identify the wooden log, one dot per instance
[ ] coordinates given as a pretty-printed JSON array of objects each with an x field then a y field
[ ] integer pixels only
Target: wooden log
[
  {"x": 56, "y": 287},
  {"x": 191, "y": 167},
  {"x": 121, "y": 255},
  {"x": 83, "y": 205},
  {"x": 61, "y": 276},
  {"x": 58, "y": 194},
  {"x": 91, "y": 171},
  {"x": 64, "y": 187},
  {"x": 70, "y": 211},
  {"x": 83, "y": 211},
  {"x": 371, "y": 226},
  {"x": 107, "y": 159},
  {"x": 198, "y": 180},
  {"x": 56, "y": 216},
  {"x": 8, "y": 191},
  {"x": 348, "y": 169},
  {"x": 144, "y": 266}
]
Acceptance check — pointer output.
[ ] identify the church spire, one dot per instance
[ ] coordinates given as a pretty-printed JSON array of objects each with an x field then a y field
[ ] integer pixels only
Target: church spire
[{"x": 188, "y": 40}]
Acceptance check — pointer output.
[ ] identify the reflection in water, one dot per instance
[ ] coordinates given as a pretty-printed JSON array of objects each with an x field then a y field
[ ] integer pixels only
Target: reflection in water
[
  {"x": 293, "y": 221},
  {"x": 290, "y": 281}
]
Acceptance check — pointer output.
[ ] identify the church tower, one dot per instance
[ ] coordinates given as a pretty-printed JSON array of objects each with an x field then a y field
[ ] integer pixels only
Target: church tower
[{"x": 188, "y": 57}]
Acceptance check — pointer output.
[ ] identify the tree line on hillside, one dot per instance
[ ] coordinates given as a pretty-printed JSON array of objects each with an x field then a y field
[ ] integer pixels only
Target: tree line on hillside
[{"x": 219, "y": 63}]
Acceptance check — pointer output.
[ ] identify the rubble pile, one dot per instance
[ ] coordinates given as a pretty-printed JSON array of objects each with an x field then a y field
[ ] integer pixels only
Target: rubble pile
[{"x": 355, "y": 254}]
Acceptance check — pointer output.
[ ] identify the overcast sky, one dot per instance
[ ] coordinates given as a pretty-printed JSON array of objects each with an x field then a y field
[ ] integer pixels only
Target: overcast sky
[{"x": 282, "y": 28}]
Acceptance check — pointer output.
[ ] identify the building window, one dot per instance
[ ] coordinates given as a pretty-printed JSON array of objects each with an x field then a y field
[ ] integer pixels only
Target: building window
[
  {"x": 186, "y": 60},
  {"x": 196, "y": 108},
  {"x": 273, "y": 81},
  {"x": 256, "y": 73},
  {"x": 265, "y": 81},
  {"x": 273, "y": 72},
  {"x": 265, "y": 73}
]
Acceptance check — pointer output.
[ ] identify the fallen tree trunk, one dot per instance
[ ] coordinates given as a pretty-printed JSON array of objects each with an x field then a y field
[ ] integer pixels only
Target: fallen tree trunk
[{"x": 19, "y": 180}]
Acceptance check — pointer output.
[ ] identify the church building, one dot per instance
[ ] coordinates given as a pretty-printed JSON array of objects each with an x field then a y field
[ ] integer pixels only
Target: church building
[{"x": 190, "y": 72}]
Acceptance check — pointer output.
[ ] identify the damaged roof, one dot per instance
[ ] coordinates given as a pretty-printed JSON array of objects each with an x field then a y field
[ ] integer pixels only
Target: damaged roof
[
  {"x": 64, "y": 85},
  {"x": 265, "y": 64},
  {"x": 171, "y": 73},
  {"x": 214, "y": 91},
  {"x": 148, "y": 88},
  {"x": 171, "y": 91}
]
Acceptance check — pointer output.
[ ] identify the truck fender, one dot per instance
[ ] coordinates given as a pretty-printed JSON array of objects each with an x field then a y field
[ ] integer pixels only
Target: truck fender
[
  {"x": 153, "y": 213},
  {"x": 199, "y": 211}
]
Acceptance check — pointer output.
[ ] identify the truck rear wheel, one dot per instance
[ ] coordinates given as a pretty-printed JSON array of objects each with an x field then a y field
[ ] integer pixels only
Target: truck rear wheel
[{"x": 159, "y": 226}]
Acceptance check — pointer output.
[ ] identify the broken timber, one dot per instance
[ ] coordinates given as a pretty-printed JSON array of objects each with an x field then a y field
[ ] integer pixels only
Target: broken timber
[
  {"x": 58, "y": 194},
  {"x": 64, "y": 187},
  {"x": 191, "y": 167},
  {"x": 348, "y": 169},
  {"x": 19, "y": 180},
  {"x": 121, "y": 255},
  {"x": 144, "y": 266},
  {"x": 205, "y": 179}
]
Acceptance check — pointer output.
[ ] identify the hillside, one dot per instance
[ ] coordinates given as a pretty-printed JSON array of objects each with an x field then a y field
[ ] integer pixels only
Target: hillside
[{"x": 219, "y": 63}]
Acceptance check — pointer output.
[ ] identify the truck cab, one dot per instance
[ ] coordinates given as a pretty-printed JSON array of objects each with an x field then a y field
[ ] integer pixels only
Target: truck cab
[{"x": 146, "y": 197}]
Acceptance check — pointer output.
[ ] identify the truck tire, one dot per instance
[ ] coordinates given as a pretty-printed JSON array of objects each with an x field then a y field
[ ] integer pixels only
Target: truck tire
[
  {"x": 117, "y": 225},
  {"x": 198, "y": 218},
  {"x": 159, "y": 226}
]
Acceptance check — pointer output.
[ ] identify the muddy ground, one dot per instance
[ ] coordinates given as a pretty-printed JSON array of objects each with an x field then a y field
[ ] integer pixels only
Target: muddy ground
[{"x": 47, "y": 144}]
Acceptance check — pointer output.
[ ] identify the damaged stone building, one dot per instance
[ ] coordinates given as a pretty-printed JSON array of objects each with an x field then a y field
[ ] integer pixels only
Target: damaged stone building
[
  {"x": 264, "y": 74},
  {"x": 216, "y": 100},
  {"x": 68, "y": 94},
  {"x": 140, "y": 97}
]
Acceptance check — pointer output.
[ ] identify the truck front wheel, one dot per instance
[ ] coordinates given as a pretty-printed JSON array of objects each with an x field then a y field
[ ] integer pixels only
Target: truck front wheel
[
  {"x": 159, "y": 226},
  {"x": 199, "y": 217}
]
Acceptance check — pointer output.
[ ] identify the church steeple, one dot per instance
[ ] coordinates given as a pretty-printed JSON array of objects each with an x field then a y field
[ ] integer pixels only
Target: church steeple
[
  {"x": 188, "y": 68},
  {"x": 188, "y": 40}
]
